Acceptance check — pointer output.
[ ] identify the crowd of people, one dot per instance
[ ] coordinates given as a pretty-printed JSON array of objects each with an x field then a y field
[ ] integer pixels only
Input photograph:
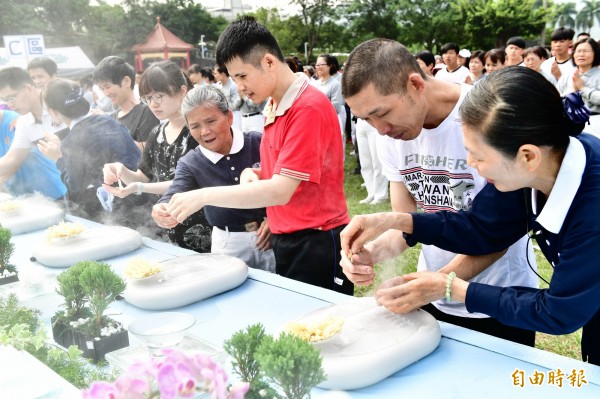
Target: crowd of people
[{"x": 478, "y": 152}]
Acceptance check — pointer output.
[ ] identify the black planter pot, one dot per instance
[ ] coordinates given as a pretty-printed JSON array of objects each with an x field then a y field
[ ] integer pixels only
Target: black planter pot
[
  {"x": 10, "y": 279},
  {"x": 62, "y": 332},
  {"x": 96, "y": 349},
  {"x": 92, "y": 348}
]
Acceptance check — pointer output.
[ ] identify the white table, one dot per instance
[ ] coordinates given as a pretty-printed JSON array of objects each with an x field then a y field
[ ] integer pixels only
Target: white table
[{"x": 466, "y": 363}]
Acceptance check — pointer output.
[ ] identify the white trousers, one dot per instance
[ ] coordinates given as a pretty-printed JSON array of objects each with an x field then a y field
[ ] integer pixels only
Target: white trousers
[
  {"x": 242, "y": 245},
  {"x": 370, "y": 166}
]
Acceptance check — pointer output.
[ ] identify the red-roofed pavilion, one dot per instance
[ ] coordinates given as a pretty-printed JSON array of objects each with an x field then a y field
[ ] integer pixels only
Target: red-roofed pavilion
[{"x": 161, "y": 43}]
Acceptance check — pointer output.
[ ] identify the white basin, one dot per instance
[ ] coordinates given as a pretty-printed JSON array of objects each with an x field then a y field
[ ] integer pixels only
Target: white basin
[
  {"x": 374, "y": 343},
  {"x": 34, "y": 213},
  {"x": 186, "y": 280},
  {"x": 92, "y": 244}
]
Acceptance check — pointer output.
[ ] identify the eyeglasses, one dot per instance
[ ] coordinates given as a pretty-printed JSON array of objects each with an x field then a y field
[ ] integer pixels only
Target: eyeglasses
[
  {"x": 11, "y": 98},
  {"x": 320, "y": 64},
  {"x": 583, "y": 51},
  {"x": 157, "y": 98}
]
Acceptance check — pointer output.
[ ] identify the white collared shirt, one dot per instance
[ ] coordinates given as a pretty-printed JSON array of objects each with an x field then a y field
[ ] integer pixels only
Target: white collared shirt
[
  {"x": 236, "y": 146},
  {"x": 564, "y": 190},
  {"x": 291, "y": 94},
  {"x": 28, "y": 131}
]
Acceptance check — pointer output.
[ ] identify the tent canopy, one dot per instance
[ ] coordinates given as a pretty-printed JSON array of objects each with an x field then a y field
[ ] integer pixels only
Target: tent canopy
[
  {"x": 71, "y": 61},
  {"x": 161, "y": 43}
]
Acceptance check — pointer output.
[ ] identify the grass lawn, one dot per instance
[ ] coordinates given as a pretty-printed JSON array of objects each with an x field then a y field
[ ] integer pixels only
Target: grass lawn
[{"x": 566, "y": 345}]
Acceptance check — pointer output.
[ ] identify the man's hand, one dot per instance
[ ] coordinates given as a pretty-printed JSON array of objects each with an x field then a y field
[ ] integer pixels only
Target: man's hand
[
  {"x": 555, "y": 70},
  {"x": 411, "y": 291},
  {"x": 263, "y": 241}
]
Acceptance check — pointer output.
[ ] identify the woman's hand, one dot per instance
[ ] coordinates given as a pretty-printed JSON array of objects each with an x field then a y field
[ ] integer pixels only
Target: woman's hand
[
  {"x": 411, "y": 291},
  {"x": 50, "y": 147},
  {"x": 121, "y": 191},
  {"x": 263, "y": 241},
  {"x": 182, "y": 205},
  {"x": 113, "y": 172},
  {"x": 578, "y": 83},
  {"x": 359, "y": 267},
  {"x": 162, "y": 218},
  {"x": 249, "y": 175}
]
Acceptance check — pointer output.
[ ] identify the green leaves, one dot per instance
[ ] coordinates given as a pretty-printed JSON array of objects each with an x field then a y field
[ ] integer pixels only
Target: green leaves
[
  {"x": 292, "y": 364},
  {"x": 6, "y": 250},
  {"x": 288, "y": 363},
  {"x": 92, "y": 283}
]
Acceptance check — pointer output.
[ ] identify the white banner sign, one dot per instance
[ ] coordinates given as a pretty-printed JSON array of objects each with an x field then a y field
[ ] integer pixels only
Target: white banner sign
[{"x": 25, "y": 46}]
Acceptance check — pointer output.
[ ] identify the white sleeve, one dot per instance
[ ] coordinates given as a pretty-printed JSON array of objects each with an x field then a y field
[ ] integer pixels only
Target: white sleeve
[{"x": 26, "y": 134}]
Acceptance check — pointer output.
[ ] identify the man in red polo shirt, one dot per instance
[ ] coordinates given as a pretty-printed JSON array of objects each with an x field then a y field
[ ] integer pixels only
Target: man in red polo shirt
[{"x": 300, "y": 180}]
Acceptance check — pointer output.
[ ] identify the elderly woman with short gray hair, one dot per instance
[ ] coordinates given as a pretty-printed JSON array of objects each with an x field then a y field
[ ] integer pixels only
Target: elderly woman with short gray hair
[{"x": 224, "y": 152}]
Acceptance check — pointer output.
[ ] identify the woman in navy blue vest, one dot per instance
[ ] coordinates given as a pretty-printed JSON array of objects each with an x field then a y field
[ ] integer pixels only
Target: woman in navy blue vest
[{"x": 545, "y": 180}]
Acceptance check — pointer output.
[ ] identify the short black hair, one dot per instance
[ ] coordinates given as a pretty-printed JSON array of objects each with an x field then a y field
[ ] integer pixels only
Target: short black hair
[
  {"x": 208, "y": 73},
  {"x": 248, "y": 40},
  {"x": 537, "y": 50},
  {"x": 496, "y": 55},
  {"x": 449, "y": 46},
  {"x": 222, "y": 69},
  {"x": 562, "y": 33},
  {"x": 163, "y": 77},
  {"x": 113, "y": 69},
  {"x": 426, "y": 56},
  {"x": 14, "y": 77},
  {"x": 384, "y": 63},
  {"x": 332, "y": 61},
  {"x": 45, "y": 63},
  {"x": 517, "y": 41}
]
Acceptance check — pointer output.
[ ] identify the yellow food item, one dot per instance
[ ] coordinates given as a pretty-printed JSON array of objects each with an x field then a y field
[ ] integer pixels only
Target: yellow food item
[
  {"x": 315, "y": 331},
  {"x": 9, "y": 206},
  {"x": 64, "y": 230},
  {"x": 141, "y": 268}
]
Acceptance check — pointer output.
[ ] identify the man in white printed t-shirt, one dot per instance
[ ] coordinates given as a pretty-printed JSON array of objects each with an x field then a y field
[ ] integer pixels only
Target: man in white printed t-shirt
[
  {"x": 453, "y": 72},
  {"x": 423, "y": 155},
  {"x": 560, "y": 64},
  {"x": 21, "y": 95}
]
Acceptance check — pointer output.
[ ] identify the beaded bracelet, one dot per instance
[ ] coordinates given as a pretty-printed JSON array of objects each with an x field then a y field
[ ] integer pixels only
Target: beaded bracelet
[{"x": 449, "y": 286}]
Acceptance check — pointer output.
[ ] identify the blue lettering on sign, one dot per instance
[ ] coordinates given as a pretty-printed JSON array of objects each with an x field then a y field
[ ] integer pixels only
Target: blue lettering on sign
[
  {"x": 35, "y": 47},
  {"x": 15, "y": 47}
]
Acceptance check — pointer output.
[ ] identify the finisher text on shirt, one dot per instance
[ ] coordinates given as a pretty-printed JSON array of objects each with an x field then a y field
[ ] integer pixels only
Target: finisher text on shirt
[{"x": 430, "y": 160}]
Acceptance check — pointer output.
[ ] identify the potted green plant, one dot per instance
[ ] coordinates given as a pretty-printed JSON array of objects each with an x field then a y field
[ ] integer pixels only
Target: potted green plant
[
  {"x": 8, "y": 272},
  {"x": 282, "y": 367},
  {"x": 89, "y": 287},
  {"x": 22, "y": 328}
]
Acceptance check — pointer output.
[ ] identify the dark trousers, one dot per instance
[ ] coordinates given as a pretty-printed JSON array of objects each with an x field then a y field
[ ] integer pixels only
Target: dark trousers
[
  {"x": 488, "y": 325},
  {"x": 590, "y": 341},
  {"x": 313, "y": 257}
]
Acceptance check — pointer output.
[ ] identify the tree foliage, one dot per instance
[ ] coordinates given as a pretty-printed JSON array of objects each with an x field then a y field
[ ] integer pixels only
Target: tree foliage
[
  {"x": 564, "y": 14},
  {"x": 589, "y": 13},
  {"x": 103, "y": 29},
  {"x": 489, "y": 23}
]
